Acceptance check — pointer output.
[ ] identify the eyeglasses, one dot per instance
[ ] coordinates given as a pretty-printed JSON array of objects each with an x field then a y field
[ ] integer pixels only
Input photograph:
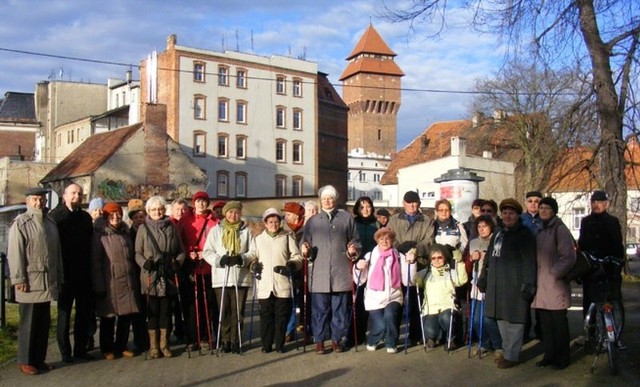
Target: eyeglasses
[
  {"x": 533, "y": 201},
  {"x": 437, "y": 257}
]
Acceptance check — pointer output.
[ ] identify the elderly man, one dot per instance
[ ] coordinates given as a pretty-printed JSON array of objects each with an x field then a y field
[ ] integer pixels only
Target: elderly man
[
  {"x": 530, "y": 218},
  {"x": 75, "y": 227},
  {"x": 331, "y": 241},
  {"x": 36, "y": 273}
]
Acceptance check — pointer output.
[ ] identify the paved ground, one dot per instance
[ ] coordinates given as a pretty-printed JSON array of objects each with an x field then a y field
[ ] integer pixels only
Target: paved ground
[{"x": 417, "y": 367}]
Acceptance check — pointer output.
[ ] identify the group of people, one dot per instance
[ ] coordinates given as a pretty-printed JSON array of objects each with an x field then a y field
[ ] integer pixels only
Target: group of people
[{"x": 352, "y": 276}]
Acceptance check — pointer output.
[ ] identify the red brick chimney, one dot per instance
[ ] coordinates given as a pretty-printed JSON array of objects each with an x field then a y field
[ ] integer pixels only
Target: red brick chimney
[{"x": 156, "y": 153}]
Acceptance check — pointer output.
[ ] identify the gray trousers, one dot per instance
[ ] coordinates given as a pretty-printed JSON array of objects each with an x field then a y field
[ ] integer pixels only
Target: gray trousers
[
  {"x": 33, "y": 333},
  {"x": 512, "y": 335}
]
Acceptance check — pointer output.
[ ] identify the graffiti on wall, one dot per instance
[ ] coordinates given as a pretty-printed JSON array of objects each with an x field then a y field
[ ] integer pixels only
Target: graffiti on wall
[{"x": 120, "y": 190}]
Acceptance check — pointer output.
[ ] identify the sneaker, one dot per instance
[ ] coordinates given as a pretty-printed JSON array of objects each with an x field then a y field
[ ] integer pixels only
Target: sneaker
[
  {"x": 371, "y": 348},
  {"x": 391, "y": 350}
]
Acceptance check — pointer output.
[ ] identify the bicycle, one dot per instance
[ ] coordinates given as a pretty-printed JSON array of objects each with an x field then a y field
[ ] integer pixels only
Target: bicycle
[{"x": 602, "y": 328}]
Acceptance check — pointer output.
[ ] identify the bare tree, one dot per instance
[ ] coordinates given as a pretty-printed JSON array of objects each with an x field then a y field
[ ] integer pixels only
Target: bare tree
[{"x": 601, "y": 36}]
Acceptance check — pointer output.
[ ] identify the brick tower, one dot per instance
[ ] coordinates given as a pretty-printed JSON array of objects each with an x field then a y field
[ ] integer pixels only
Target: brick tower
[{"x": 371, "y": 89}]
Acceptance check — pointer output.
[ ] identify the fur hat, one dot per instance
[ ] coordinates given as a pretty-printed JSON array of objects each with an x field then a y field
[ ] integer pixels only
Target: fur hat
[{"x": 511, "y": 203}]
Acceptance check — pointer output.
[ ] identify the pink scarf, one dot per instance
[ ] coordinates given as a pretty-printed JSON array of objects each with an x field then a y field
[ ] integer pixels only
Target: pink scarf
[{"x": 376, "y": 282}]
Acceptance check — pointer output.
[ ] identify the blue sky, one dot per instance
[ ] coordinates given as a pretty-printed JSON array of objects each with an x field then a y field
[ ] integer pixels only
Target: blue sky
[{"x": 126, "y": 31}]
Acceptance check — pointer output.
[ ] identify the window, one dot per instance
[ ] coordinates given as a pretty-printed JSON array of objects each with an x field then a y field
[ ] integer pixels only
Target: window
[
  {"x": 223, "y": 76},
  {"x": 280, "y": 117},
  {"x": 281, "y": 186},
  {"x": 351, "y": 195},
  {"x": 296, "y": 185},
  {"x": 199, "y": 143},
  {"x": 199, "y": 108},
  {"x": 241, "y": 184},
  {"x": 362, "y": 177},
  {"x": 281, "y": 151},
  {"x": 222, "y": 183},
  {"x": 223, "y": 110},
  {"x": 297, "y": 153},
  {"x": 297, "y": 119},
  {"x": 198, "y": 72},
  {"x": 241, "y": 147},
  {"x": 377, "y": 195},
  {"x": 241, "y": 79},
  {"x": 223, "y": 143},
  {"x": 376, "y": 177},
  {"x": 281, "y": 84},
  {"x": 578, "y": 214},
  {"x": 241, "y": 112},
  {"x": 297, "y": 87}
]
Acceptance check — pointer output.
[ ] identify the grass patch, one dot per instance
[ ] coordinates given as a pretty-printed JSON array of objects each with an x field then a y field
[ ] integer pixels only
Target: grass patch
[{"x": 9, "y": 334}]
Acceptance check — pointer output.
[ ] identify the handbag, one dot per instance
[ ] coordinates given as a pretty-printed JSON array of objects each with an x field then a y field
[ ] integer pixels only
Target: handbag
[{"x": 584, "y": 265}]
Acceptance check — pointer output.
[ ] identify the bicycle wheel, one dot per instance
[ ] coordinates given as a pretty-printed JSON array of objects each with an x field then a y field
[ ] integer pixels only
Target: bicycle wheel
[{"x": 612, "y": 352}]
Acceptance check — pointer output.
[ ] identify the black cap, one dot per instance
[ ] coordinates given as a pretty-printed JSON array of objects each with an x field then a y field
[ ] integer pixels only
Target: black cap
[
  {"x": 411, "y": 197},
  {"x": 383, "y": 212},
  {"x": 536, "y": 194},
  {"x": 36, "y": 191},
  {"x": 599, "y": 195}
]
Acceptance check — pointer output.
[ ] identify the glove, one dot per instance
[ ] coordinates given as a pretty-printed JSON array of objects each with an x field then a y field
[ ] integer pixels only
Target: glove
[
  {"x": 404, "y": 247},
  {"x": 457, "y": 255},
  {"x": 235, "y": 260},
  {"x": 224, "y": 260},
  {"x": 149, "y": 265},
  {"x": 528, "y": 291},
  {"x": 256, "y": 268},
  {"x": 291, "y": 266},
  {"x": 482, "y": 284},
  {"x": 281, "y": 270}
]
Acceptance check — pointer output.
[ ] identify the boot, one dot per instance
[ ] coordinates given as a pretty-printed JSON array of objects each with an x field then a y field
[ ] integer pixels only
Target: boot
[
  {"x": 153, "y": 344},
  {"x": 163, "y": 344}
]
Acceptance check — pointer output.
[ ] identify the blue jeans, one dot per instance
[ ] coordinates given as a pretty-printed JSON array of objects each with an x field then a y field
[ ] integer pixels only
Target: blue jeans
[
  {"x": 383, "y": 325},
  {"x": 436, "y": 326},
  {"x": 491, "y": 338},
  {"x": 335, "y": 305}
]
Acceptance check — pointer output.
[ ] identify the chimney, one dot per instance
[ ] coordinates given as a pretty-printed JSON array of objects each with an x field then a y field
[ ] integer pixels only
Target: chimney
[
  {"x": 476, "y": 120},
  {"x": 172, "y": 40},
  {"x": 499, "y": 115},
  {"x": 458, "y": 146},
  {"x": 156, "y": 153},
  {"x": 487, "y": 154}
]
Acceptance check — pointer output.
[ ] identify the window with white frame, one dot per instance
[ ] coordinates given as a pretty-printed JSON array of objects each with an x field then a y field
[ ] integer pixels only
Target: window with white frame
[
  {"x": 223, "y": 76},
  {"x": 223, "y": 145},
  {"x": 297, "y": 119},
  {"x": 199, "y": 104},
  {"x": 377, "y": 195},
  {"x": 281, "y": 84},
  {"x": 241, "y": 79},
  {"x": 281, "y": 150},
  {"x": 222, "y": 183},
  {"x": 578, "y": 214},
  {"x": 241, "y": 147},
  {"x": 296, "y": 155},
  {"x": 199, "y": 143},
  {"x": 241, "y": 184},
  {"x": 241, "y": 112},
  {"x": 198, "y": 72},
  {"x": 376, "y": 177},
  {"x": 362, "y": 177},
  {"x": 297, "y": 87},
  {"x": 281, "y": 117},
  {"x": 223, "y": 110},
  {"x": 281, "y": 186},
  {"x": 297, "y": 183}
]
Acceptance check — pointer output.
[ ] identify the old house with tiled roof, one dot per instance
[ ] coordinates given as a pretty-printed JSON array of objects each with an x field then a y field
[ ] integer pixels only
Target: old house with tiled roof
[{"x": 18, "y": 125}]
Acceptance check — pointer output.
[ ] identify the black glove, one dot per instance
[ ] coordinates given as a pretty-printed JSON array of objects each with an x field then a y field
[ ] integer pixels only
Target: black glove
[
  {"x": 482, "y": 284},
  {"x": 291, "y": 266},
  {"x": 281, "y": 270},
  {"x": 256, "y": 268},
  {"x": 149, "y": 265},
  {"x": 235, "y": 260},
  {"x": 528, "y": 291},
  {"x": 404, "y": 247},
  {"x": 224, "y": 260}
]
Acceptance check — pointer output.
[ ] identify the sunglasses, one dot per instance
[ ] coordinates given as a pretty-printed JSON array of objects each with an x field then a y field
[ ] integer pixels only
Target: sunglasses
[{"x": 437, "y": 257}]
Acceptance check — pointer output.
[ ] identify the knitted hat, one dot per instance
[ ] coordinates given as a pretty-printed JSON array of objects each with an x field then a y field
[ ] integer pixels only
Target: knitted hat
[
  {"x": 536, "y": 194},
  {"x": 411, "y": 197},
  {"x": 294, "y": 207},
  {"x": 96, "y": 204},
  {"x": 512, "y": 204},
  {"x": 231, "y": 205},
  {"x": 599, "y": 196},
  {"x": 551, "y": 202},
  {"x": 110, "y": 208},
  {"x": 200, "y": 195},
  {"x": 270, "y": 212},
  {"x": 328, "y": 190}
]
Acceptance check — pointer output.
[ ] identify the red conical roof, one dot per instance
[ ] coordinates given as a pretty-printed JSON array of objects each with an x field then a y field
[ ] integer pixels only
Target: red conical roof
[{"x": 371, "y": 42}]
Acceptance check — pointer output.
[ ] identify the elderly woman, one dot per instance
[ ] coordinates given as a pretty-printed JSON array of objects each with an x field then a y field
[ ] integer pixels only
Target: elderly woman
[
  {"x": 509, "y": 277},
  {"x": 556, "y": 256},
  {"x": 277, "y": 257},
  {"x": 448, "y": 231},
  {"x": 115, "y": 283},
  {"x": 229, "y": 249},
  {"x": 159, "y": 252},
  {"x": 382, "y": 269},
  {"x": 491, "y": 339},
  {"x": 439, "y": 304},
  {"x": 310, "y": 209}
]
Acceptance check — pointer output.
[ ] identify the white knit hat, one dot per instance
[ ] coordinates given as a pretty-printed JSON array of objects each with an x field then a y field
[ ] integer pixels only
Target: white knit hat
[{"x": 328, "y": 190}]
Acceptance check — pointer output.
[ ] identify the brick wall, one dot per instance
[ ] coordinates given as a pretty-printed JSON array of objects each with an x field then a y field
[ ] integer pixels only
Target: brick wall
[{"x": 156, "y": 156}]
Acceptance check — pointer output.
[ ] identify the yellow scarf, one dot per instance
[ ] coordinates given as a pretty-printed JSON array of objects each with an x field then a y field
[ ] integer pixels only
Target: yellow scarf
[{"x": 230, "y": 238}]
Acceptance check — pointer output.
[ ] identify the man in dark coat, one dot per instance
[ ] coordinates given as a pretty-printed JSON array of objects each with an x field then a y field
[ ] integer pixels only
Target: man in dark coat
[{"x": 75, "y": 227}]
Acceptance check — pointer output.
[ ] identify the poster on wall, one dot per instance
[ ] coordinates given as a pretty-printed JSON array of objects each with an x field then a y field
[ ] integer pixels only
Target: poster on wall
[{"x": 461, "y": 194}]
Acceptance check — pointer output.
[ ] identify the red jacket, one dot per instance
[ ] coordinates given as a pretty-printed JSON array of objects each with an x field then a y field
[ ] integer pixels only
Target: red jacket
[{"x": 191, "y": 225}]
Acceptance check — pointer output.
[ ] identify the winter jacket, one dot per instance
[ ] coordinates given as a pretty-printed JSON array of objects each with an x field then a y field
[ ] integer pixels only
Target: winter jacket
[
  {"x": 600, "y": 235},
  {"x": 113, "y": 270},
  {"x": 328, "y": 238},
  {"x": 450, "y": 232},
  {"x": 276, "y": 251},
  {"x": 474, "y": 268},
  {"x": 166, "y": 261},
  {"x": 440, "y": 287},
  {"x": 75, "y": 229},
  {"x": 419, "y": 233},
  {"x": 34, "y": 257},
  {"x": 366, "y": 228},
  {"x": 509, "y": 271},
  {"x": 532, "y": 222},
  {"x": 378, "y": 299},
  {"x": 191, "y": 226},
  {"x": 556, "y": 255},
  {"x": 214, "y": 250}
]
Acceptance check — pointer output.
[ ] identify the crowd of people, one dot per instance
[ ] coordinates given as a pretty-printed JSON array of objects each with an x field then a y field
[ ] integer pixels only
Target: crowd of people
[{"x": 354, "y": 277}]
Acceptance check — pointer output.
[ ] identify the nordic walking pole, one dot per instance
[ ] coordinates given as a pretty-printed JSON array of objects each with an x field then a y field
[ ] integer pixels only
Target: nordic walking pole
[
  {"x": 206, "y": 312},
  {"x": 253, "y": 303},
  {"x": 175, "y": 280},
  {"x": 354, "y": 296},
  {"x": 474, "y": 296},
  {"x": 450, "y": 334},
  {"x": 424, "y": 338},
  {"x": 293, "y": 305},
  {"x": 197, "y": 312},
  {"x": 305, "y": 270},
  {"x": 480, "y": 329},
  {"x": 147, "y": 316},
  {"x": 238, "y": 312},
  {"x": 407, "y": 314},
  {"x": 224, "y": 285}
]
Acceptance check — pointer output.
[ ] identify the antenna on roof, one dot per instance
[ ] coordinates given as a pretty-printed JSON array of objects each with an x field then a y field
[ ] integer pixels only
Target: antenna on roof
[{"x": 237, "y": 42}]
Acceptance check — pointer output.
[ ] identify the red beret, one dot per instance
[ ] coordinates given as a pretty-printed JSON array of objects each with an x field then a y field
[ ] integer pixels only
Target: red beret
[
  {"x": 110, "y": 208},
  {"x": 293, "y": 207},
  {"x": 219, "y": 203}
]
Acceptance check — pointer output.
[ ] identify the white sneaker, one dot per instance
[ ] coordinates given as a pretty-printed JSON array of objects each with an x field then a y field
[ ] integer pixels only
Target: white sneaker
[
  {"x": 371, "y": 348},
  {"x": 391, "y": 350}
]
